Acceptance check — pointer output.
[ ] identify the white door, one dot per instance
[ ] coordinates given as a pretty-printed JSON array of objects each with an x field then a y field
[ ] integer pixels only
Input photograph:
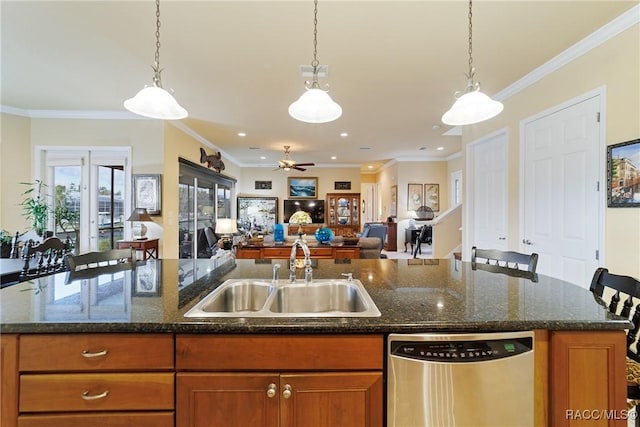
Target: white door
[
  {"x": 368, "y": 192},
  {"x": 488, "y": 158},
  {"x": 561, "y": 198}
]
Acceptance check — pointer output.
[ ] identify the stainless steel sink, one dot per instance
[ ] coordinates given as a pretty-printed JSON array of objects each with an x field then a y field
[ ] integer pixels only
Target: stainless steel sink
[{"x": 259, "y": 298}]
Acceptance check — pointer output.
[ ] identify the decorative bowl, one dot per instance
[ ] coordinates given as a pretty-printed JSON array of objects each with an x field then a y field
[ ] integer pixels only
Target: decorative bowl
[{"x": 324, "y": 235}]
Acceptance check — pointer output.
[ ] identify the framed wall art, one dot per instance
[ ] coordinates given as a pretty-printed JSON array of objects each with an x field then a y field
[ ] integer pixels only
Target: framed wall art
[
  {"x": 623, "y": 175},
  {"x": 147, "y": 193},
  {"x": 342, "y": 185},
  {"x": 263, "y": 185},
  {"x": 432, "y": 196},
  {"x": 393, "y": 203},
  {"x": 414, "y": 196},
  {"x": 302, "y": 188},
  {"x": 258, "y": 213}
]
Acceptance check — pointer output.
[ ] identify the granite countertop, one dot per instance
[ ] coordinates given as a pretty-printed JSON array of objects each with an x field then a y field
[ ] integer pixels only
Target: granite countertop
[{"x": 412, "y": 295}]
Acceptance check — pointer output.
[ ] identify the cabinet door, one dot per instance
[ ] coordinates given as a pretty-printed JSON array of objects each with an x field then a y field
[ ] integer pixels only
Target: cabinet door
[
  {"x": 226, "y": 400},
  {"x": 331, "y": 399},
  {"x": 8, "y": 380}
]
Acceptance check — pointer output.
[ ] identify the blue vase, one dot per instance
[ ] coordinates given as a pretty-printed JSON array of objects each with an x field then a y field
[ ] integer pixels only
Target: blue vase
[
  {"x": 278, "y": 233},
  {"x": 324, "y": 235}
]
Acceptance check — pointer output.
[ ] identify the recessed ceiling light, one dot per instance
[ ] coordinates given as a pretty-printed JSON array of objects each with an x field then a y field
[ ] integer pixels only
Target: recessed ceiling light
[
  {"x": 262, "y": 157},
  {"x": 333, "y": 157},
  {"x": 370, "y": 167},
  {"x": 343, "y": 134},
  {"x": 242, "y": 134},
  {"x": 440, "y": 148}
]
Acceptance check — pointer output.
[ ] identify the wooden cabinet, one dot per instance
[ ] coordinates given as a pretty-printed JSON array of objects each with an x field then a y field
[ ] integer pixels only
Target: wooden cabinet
[
  {"x": 302, "y": 381},
  {"x": 74, "y": 380},
  {"x": 8, "y": 380},
  {"x": 587, "y": 373},
  {"x": 343, "y": 213},
  {"x": 391, "y": 243},
  {"x": 283, "y": 252}
]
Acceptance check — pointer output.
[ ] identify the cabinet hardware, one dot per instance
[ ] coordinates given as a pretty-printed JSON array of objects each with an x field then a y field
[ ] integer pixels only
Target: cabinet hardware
[
  {"x": 527, "y": 242},
  {"x": 87, "y": 396},
  {"x": 271, "y": 391},
  {"x": 286, "y": 393},
  {"x": 89, "y": 354}
]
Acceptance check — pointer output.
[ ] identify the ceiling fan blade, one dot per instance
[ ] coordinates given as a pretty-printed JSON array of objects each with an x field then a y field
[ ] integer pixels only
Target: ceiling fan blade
[
  {"x": 298, "y": 168},
  {"x": 305, "y": 164}
]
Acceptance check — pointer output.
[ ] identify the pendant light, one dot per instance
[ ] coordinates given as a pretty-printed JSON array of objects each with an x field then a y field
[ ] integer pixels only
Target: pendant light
[
  {"x": 154, "y": 101},
  {"x": 315, "y": 105},
  {"x": 473, "y": 106}
]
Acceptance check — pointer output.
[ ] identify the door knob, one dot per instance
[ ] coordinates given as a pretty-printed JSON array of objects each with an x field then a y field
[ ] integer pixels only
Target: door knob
[
  {"x": 502, "y": 238},
  {"x": 271, "y": 391},
  {"x": 286, "y": 393}
]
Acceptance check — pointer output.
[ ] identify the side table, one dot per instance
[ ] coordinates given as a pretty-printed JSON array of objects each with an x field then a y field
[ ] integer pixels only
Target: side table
[{"x": 149, "y": 247}]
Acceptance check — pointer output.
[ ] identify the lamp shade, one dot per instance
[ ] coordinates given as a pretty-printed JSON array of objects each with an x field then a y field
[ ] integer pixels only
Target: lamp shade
[
  {"x": 472, "y": 107},
  {"x": 315, "y": 106},
  {"x": 156, "y": 103},
  {"x": 226, "y": 226},
  {"x": 141, "y": 215}
]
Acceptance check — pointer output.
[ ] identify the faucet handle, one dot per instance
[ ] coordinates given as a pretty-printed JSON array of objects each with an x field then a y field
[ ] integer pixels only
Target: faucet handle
[{"x": 349, "y": 276}]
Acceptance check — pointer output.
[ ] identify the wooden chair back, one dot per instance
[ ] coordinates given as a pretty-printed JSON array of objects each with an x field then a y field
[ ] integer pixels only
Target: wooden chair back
[
  {"x": 92, "y": 260},
  {"x": 614, "y": 288},
  {"x": 508, "y": 259},
  {"x": 41, "y": 259}
]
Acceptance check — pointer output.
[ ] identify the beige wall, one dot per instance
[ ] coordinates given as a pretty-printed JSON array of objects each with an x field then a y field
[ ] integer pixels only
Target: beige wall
[
  {"x": 279, "y": 187},
  {"x": 15, "y": 167},
  {"x": 615, "y": 65}
]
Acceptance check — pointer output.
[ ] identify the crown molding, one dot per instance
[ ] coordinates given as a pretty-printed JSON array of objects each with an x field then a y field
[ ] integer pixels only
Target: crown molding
[{"x": 195, "y": 135}]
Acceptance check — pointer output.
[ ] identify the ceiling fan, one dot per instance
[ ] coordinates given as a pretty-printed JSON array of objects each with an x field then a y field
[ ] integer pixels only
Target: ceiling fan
[{"x": 287, "y": 163}]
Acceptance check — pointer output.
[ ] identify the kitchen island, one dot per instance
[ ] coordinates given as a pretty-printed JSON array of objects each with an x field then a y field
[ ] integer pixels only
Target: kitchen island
[{"x": 579, "y": 347}]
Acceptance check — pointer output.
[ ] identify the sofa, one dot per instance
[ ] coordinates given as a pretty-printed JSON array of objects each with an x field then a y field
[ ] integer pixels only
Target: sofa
[{"x": 370, "y": 247}]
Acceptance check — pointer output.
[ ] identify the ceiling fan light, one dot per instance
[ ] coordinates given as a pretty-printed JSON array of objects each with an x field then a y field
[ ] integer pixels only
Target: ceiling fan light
[
  {"x": 472, "y": 107},
  {"x": 315, "y": 106},
  {"x": 156, "y": 103}
]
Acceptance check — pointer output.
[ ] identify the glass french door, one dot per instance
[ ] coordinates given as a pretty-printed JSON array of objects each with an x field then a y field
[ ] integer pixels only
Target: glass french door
[
  {"x": 203, "y": 196},
  {"x": 89, "y": 196}
]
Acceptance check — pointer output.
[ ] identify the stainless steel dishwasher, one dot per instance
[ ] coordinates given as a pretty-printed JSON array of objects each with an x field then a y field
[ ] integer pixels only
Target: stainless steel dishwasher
[{"x": 446, "y": 380}]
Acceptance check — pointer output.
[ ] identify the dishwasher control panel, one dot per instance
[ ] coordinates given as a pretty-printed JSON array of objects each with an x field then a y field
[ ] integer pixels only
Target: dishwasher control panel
[{"x": 461, "y": 351}]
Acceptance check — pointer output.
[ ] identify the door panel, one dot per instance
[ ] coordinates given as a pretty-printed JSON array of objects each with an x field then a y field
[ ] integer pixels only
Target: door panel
[{"x": 561, "y": 198}]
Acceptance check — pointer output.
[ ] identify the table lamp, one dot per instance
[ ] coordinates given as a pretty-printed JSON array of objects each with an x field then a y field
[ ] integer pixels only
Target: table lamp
[
  {"x": 300, "y": 218},
  {"x": 412, "y": 215},
  {"x": 138, "y": 217},
  {"x": 226, "y": 227}
]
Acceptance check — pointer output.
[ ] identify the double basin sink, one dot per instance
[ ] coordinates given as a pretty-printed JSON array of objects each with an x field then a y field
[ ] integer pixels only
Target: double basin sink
[{"x": 262, "y": 298}]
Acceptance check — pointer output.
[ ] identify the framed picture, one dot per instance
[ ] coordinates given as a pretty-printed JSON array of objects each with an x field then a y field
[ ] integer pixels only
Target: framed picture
[
  {"x": 263, "y": 185},
  {"x": 147, "y": 193},
  {"x": 342, "y": 185},
  {"x": 432, "y": 196},
  {"x": 393, "y": 204},
  {"x": 414, "y": 196},
  {"x": 147, "y": 279},
  {"x": 303, "y": 188},
  {"x": 258, "y": 213},
  {"x": 623, "y": 175}
]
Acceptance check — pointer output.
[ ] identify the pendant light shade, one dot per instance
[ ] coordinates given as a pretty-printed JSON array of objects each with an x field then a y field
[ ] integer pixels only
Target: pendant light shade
[
  {"x": 315, "y": 105},
  {"x": 472, "y": 106},
  {"x": 154, "y": 101}
]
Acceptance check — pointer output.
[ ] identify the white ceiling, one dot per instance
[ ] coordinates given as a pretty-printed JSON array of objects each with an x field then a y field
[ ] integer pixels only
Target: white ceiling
[{"x": 393, "y": 65}]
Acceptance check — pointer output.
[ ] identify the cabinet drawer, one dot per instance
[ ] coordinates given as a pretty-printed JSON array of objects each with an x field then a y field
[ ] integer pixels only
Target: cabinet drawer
[
  {"x": 110, "y": 419},
  {"x": 283, "y": 353},
  {"x": 321, "y": 252},
  {"x": 64, "y": 392},
  {"x": 347, "y": 253},
  {"x": 277, "y": 252},
  {"x": 94, "y": 352}
]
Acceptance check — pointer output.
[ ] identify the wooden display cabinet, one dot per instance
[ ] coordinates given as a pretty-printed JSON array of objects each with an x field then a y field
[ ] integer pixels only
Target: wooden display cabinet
[{"x": 343, "y": 213}]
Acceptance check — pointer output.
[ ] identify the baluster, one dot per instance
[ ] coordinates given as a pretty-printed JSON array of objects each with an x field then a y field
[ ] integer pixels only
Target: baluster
[
  {"x": 615, "y": 299},
  {"x": 25, "y": 257},
  {"x": 627, "y": 306},
  {"x": 632, "y": 335}
]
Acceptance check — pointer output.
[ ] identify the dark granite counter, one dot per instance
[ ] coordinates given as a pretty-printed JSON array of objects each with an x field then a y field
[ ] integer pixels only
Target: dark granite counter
[{"x": 412, "y": 295}]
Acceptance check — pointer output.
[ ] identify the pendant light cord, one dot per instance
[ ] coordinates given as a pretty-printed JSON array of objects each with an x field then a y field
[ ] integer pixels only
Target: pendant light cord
[
  {"x": 156, "y": 64},
  {"x": 315, "y": 63},
  {"x": 470, "y": 41}
]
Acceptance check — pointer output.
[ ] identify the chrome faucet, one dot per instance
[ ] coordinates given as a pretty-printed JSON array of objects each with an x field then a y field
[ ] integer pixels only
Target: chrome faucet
[
  {"x": 276, "y": 274},
  {"x": 308, "y": 272}
]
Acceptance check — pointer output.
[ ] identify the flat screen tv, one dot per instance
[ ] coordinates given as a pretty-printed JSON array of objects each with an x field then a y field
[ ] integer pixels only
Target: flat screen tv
[{"x": 315, "y": 208}]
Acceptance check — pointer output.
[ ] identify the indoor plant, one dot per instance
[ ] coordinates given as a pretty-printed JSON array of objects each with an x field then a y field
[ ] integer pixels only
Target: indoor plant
[{"x": 35, "y": 207}]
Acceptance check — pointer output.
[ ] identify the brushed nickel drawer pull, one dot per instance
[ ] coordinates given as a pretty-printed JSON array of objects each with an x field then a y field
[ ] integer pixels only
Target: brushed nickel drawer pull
[
  {"x": 102, "y": 395},
  {"x": 89, "y": 354},
  {"x": 271, "y": 391},
  {"x": 287, "y": 391}
]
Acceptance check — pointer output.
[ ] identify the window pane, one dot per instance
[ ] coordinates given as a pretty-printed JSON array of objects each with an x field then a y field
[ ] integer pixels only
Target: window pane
[{"x": 67, "y": 181}]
